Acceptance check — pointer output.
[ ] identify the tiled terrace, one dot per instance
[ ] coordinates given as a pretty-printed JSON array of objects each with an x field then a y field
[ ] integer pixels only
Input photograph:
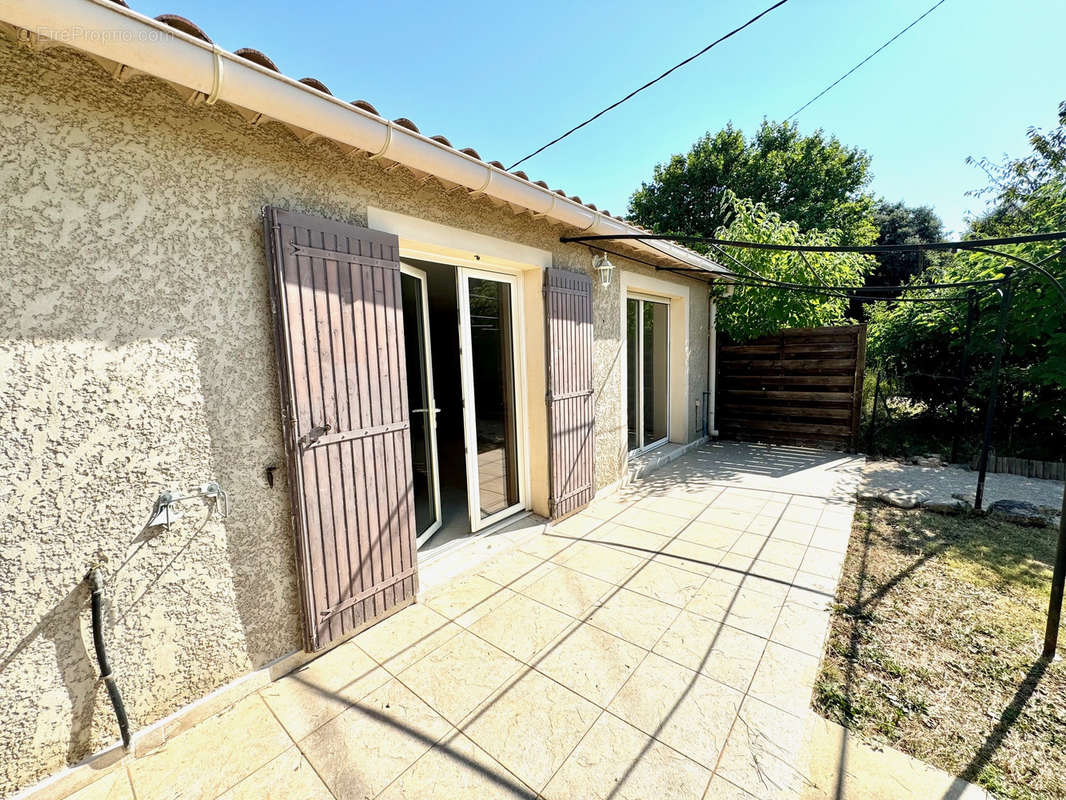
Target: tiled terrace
[{"x": 661, "y": 644}]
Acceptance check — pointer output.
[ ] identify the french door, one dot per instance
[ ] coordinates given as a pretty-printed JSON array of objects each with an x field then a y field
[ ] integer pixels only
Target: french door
[
  {"x": 421, "y": 401},
  {"x": 647, "y": 372},
  {"x": 488, "y": 335}
]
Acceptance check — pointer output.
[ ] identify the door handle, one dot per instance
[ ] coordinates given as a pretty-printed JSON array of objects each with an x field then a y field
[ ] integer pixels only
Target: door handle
[
  {"x": 425, "y": 410},
  {"x": 314, "y": 434}
]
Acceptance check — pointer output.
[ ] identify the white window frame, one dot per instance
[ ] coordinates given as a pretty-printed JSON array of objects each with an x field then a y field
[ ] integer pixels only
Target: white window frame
[{"x": 666, "y": 301}]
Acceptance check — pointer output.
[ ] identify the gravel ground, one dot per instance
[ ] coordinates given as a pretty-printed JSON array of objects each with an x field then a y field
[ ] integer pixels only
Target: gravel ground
[{"x": 942, "y": 482}]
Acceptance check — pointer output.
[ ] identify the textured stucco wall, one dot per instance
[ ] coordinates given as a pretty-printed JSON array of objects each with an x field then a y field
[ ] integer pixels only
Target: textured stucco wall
[{"x": 136, "y": 355}]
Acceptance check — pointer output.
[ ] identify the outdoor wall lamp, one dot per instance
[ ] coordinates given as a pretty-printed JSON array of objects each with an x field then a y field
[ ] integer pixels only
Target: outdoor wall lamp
[{"x": 603, "y": 266}]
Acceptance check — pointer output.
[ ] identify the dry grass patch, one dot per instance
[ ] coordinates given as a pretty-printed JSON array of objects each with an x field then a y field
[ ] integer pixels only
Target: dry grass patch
[{"x": 935, "y": 647}]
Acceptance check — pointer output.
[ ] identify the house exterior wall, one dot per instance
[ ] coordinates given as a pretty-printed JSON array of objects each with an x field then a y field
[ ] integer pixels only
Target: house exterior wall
[{"x": 136, "y": 355}]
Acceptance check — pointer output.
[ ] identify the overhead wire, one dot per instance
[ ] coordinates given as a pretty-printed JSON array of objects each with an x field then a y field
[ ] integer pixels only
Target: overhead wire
[
  {"x": 828, "y": 88},
  {"x": 652, "y": 82}
]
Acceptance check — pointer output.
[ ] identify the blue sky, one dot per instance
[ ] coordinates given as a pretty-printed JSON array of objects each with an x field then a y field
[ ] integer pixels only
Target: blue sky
[{"x": 505, "y": 78}]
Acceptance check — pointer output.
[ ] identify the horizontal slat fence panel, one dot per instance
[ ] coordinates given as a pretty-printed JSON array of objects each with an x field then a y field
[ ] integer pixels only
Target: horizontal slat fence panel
[{"x": 798, "y": 386}]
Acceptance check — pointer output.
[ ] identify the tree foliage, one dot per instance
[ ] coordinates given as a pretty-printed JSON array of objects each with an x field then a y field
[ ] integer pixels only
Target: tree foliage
[
  {"x": 922, "y": 343},
  {"x": 754, "y": 312},
  {"x": 814, "y": 181}
]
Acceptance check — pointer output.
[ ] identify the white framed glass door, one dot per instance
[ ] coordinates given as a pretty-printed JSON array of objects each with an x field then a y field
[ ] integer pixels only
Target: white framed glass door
[
  {"x": 492, "y": 384},
  {"x": 647, "y": 372},
  {"x": 422, "y": 408}
]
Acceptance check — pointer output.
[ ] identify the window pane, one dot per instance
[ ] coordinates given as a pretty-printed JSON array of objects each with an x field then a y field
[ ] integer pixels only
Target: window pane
[
  {"x": 632, "y": 371},
  {"x": 423, "y": 459},
  {"x": 656, "y": 382},
  {"x": 494, "y": 406}
]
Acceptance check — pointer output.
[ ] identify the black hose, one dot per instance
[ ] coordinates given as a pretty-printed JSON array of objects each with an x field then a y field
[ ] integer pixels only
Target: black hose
[{"x": 96, "y": 586}]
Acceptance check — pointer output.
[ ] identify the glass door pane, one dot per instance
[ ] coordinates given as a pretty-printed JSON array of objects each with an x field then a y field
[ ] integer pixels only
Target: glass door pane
[
  {"x": 655, "y": 357},
  {"x": 421, "y": 406},
  {"x": 647, "y": 376},
  {"x": 633, "y": 372},
  {"x": 491, "y": 412}
]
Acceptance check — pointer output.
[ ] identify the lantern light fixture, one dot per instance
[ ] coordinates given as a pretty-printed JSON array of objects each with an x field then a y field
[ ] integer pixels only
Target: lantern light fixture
[{"x": 604, "y": 267}]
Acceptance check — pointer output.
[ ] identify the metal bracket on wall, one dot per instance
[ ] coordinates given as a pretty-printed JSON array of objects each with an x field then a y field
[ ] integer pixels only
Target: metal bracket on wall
[{"x": 163, "y": 514}]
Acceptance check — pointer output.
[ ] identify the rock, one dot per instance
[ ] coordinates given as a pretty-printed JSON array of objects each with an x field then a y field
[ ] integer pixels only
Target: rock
[
  {"x": 928, "y": 461},
  {"x": 869, "y": 494},
  {"x": 1020, "y": 512},
  {"x": 969, "y": 498},
  {"x": 900, "y": 499},
  {"x": 946, "y": 505}
]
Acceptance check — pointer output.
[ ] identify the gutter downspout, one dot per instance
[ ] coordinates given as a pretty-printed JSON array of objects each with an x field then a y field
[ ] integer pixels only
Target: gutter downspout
[
  {"x": 107, "y": 30},
  {"x": 712, "y": 362}
]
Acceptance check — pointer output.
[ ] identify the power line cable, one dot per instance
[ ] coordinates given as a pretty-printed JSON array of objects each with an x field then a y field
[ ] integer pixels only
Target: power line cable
[
  {"x": 693, "y": 57},
  {"x": 874, "y": 53}
]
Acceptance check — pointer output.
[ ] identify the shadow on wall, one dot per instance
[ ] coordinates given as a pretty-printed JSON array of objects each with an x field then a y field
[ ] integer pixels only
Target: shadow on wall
[{"x": 116, "y": 392}]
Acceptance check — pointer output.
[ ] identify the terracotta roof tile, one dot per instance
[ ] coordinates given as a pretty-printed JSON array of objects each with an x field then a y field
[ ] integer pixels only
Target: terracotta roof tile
[
  {"x": 315, "y": 83},
  {"x": 404, "y": 122},
  {"x": 520, "y": 174},
  {"x": 541, "y": 184},
  {"x": 497, "y": 164},
  {"x": 442, "y": 139},
  {"x": 257, "y": 57},
  {"x": 363, "y": 104},
  {"x": 184, "y": 25},
  {"x": 470, "y": 151},
  {"x": 120, "y": 3}
]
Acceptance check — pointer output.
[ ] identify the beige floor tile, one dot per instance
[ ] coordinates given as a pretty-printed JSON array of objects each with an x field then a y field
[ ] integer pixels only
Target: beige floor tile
[
  {"x": 763, "y": 754},
  {"x": 457, "y": 768},
  {"x": 617, "y": 761},
  {"x": 727, "y": 518},
  {"x": 320, "y": 690},
  {"x": 721, "y": 789},
  {"x": 114, "y": 786},
  {"x": 234, "y": 743},
  {"x": 681, "y": 708},
  {"x": 802, "y": 628},
  {"x": 643, "y": 544},
  {"x": 812, "y": 590},
  {"x": 710, "y": 535},
  {"x": 600, "y": 561},
  {"x": 547, "y": 545},
  {"x": 733, "y": 500},
  {"x": 666, "y": 583},
  {"x": 674, "y": 506},
  {"x": 591, "y": 662},
  {"x": 509, "y": 569},
  {"x": 742, "y": 607},
  {"x": 736, "y": 565},
  {"x": 798, "y": 532},
  {"x": 568, "y": 590},
  {"x": 405, "y": 637},
  {"x": 606, "y": 509},
  {"x": 575, "y": 527},
  {"x": 467, "y": 600},
  {"x": 530, "y": 726},
  {"x": 712, "y": 648},
  {"x": 634, "y": 617},
  {"x": 825, "y": 563},
  {"x": 785, "y": 554},
  {"x": 521, "y": 627},
  {"x": 837, "y": 518},
  {"x": 807, "y": 515},
  {"x": 364, "y": 749},
  {"x": 651, "y": 521},
  {"x": 287, "y": 777},
  {"x": 750, "y": 544},
  {"x": 764, "y": 525},
  {"x": 785, "y": 678},
  {"x": 459, "y": 675},
  {"x": 830, "y": 539},
  {"x": 690, "y": 556}
]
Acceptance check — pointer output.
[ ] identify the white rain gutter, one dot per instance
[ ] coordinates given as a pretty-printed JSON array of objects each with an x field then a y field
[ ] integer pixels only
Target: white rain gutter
[{"x": 109, "y": 31}]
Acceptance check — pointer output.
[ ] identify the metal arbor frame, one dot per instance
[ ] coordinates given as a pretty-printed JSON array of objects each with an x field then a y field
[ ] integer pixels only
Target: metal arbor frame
[{"x": 1003, "y": 286}]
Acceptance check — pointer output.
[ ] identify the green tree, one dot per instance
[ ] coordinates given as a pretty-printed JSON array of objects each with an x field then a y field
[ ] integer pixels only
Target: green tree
[
  {"x": 814, "y": 181},
  {"x": 921, "y": 343},
  {"x": 753, "y": 312}
]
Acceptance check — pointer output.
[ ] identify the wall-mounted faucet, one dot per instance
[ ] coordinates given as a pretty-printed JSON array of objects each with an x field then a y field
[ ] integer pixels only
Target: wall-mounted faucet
[{"x": 164, "y": 514}]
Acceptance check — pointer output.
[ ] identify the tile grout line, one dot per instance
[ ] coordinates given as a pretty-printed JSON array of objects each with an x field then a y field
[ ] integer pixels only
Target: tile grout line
[{"x": 296, "y": 744}]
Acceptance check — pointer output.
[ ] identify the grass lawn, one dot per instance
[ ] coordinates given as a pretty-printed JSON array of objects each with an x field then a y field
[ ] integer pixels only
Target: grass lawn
[{"x": 934, "y": 648}]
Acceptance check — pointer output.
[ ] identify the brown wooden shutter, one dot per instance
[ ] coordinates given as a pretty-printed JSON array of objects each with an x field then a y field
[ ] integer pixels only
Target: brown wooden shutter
[
  {"x": 340, "y": 347},
  {"x": 571, "y": 406}
]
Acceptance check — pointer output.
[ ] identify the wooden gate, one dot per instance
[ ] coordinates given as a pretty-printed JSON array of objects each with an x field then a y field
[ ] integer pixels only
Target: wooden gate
[
  {"x": 571, "y": 407},
  {"x": 798, "y": 386},
  {"x": 340, "y": 348}
]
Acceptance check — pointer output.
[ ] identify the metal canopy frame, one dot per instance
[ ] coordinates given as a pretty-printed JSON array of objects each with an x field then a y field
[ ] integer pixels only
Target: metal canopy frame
[{"x": 1002, "y": 285}]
